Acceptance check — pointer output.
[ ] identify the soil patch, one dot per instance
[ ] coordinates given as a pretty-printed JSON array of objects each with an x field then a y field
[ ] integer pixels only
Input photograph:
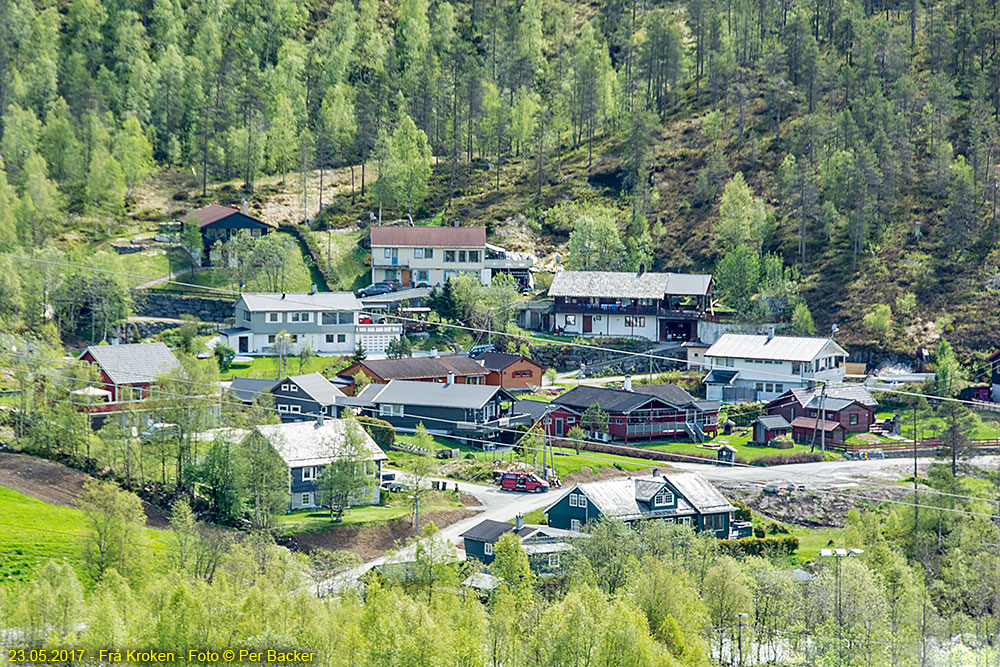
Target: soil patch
[
  {"x": 812, "y": 508},
  {"x": 370, "y": 542},
  {"x": 55, "y": 484},
  {"x": 468, "y": 500},
  {"x": 587, "y": 474}
]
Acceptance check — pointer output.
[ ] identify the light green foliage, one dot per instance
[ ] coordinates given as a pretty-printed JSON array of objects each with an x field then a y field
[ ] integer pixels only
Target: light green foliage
[
  {"x": 115, "y": 537},
  {"x": 742, "y": 216},
  {"x": 404, "y": 160},
  {"x": 135, "y": 155},
  {"x": 349, "y": 478},
  {"x": 802, "y": 321},
  {"x": 595, "y": 419},
  {"x": 879, "y": 320},
  {"x": 737, "y": 278},
  {"x": 595, "y": 243}
]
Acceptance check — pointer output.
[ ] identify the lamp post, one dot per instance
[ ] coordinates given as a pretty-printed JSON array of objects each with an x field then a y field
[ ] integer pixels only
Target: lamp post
[
  {"x": 742, "y": 616},
  {"x": 837, "y": 555}
]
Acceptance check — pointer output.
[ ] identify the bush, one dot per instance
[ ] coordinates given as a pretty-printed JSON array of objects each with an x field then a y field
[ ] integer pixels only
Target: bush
[
  {"x": 781, "y": 459},
  {"x": 742, "y": 512},
  {"x": 744, "y": 413},
  {"x": 758, "y": 531},
  {"x": 381, "y": 431},
  {"x": 768, "y": 547},
  {"x": 781, "y": 442}
]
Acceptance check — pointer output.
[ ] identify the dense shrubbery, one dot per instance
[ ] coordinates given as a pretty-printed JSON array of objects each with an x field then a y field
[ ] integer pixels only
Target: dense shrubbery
[
  {"x": 381, "y": 431},
  {"x": 768, "y": 547}
]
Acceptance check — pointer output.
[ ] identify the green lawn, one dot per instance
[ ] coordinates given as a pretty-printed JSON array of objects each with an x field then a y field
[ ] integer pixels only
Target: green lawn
[
  {"x": 155, "y": 263},
  {"x": 33, "y": 532},
  {"x": 267, "y": 367},
  {"x": 347, "y": 260},
  {"x": 738, "y": 440},
  {"x": 811, "y": 540},
  {"x": 929, "y": 425},
  {"x": 399, "y": 506}
]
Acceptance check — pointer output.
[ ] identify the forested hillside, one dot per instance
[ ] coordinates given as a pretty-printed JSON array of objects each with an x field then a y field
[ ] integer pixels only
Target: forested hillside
[{"x": 850, "y": 121}]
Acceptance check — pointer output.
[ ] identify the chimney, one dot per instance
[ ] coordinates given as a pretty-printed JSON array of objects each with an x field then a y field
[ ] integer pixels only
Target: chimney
[
  {"x": 628, "y": 383},
  {"x": 434, "y": 353},
  {"x": 770, "y": 332},
  {"x": 312, "y": 288},
  {"x": 656, "y": 472},
  {"x": 451, "y": 379},
  {"x": 642, "y": 268},
  {"x": 243, "y": 206},
  {"x": 519, "y": 522}
]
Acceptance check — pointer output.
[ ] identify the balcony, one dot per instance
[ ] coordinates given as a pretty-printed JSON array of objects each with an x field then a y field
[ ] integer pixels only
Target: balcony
[
  {"x": 366, "y": 329},
  {"x": 618, "y": 309}
]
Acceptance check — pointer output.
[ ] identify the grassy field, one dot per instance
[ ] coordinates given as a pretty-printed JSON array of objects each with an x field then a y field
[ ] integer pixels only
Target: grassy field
[
  {"x": 929, "y": 425},
  {"x": 743, "y": 450},
  {"x": 33, "y": 532},
  {"x": 399, "y": 506},
  {"x": 154, "y": 263},
  {"x": 811, "y": 540},
  {"x": 267, "y": 367},
  {"x": 347, "y": 260}
]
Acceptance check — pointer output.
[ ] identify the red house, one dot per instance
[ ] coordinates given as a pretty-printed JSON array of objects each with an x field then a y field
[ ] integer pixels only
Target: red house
[
  {"x": 511, "y": 371},
  {"x": 807, "y": 430},
  {"x": 647, "y": 412},
  {"x": 850, "y": 405},
  {"x": 128, "y": 371}
]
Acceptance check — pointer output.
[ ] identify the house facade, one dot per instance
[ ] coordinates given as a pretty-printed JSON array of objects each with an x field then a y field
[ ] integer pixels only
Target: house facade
[
  {"x": 307, "y": 447},
  {"x": 761, "y": 368},
  {"x": 303, "y": 397},
  {"x": 768, "y": 427},
  {"x": 810, "y": 430},
  {"x": 129, "y": 372},
  {"x": 420, "y": 369},
  {"x": 219, "y": 224},
  {"x": 994, "y": 362},
  {"x": 851, "y": 405},
  {"x": 545, "y": 546},
  {"x": 642, "y": 412},
  {"x": 686, "y": 498},
  {"x": 513, "y": 372},
  {"x": 652, "y": 306},
  {"x": 326, "y": 322}
]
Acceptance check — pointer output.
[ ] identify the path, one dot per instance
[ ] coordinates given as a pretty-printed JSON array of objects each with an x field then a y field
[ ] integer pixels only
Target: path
[{"x": 173, "y": 275}]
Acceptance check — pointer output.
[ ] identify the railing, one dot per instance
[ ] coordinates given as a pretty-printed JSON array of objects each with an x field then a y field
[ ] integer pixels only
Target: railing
[
  {"x": 379, "y": 328},
  {"x": 924, "y": 444}
]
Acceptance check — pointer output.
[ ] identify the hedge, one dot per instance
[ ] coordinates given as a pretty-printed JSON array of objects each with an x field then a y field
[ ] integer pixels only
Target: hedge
[
  {"x": 381, "y": 431},
  {"x": 768, "y": 547}
]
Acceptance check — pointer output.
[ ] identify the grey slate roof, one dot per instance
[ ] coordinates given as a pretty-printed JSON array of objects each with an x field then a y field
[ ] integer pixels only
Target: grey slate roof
[
  {"x": 316, "y": 387},
  {"x": 490, "y": 531},
  {"x": 620, "y": 400},
  {"x": 497, "y": 361},
  {"x": 440, "y": 394},
  {"x": 612, "y": 284},
  {"x": 308, "y": 443},
  {"x": 671, "y": 393},
  {"x": 535, "y": 409},
  {"x": 720, "y": 376},
  {"x": 291, "y": 301},
  {"x": 134, "y": 363},
  {"x": 248, "y": 389},
  {"x": 837, "y": 392},
  {"x": 416, "y": 368},
  {"x": 773, "y": 422},
  {"x": 778, "y": 348}
]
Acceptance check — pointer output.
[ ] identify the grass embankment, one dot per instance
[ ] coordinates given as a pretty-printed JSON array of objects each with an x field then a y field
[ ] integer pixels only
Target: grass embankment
[
  {"x": 743, "y": 450},
  {"x": 33, "y": 532},
  {"x": 929, "y": 425},
  {"x": 267, "y": 367},
  {"x": 348, "y": 261},
  {"x": 399, "y": 506}
]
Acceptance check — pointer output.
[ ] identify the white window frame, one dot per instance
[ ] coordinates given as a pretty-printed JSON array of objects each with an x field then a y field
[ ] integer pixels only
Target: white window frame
[
  {"x": 487, "y": 548},
  {"x": 663, "y": 497},
  {"x": 418, "y": 253},
  {"x": 270, "y": 338},
  {"x": 297, "y": 409},
  {"x": 273, "y": 318},
  {"x": 553, "y": 560},
  {"x": 308, "y": 473},
  {"x": 247, "y": 316},
  {"x": 307, "y": 499},
  {"x": 282, "y": 407},
  {"x": 574, "y": 524},
  {"x": 390, "y": 410}
]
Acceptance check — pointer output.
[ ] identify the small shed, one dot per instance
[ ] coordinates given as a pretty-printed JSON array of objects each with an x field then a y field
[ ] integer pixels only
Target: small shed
[
  {"x": 768, "y": 427},
  {"x": 808, "y": 429},
  {"x": 726, "y": 454}
]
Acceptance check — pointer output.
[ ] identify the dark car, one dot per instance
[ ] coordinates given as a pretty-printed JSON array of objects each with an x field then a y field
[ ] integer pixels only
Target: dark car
[{"x": 376, "y": 289}]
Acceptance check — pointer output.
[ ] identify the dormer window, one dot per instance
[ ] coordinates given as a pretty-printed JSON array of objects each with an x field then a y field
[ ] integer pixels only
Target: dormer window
[
  {"x": 664, "y": 497},
  {"x": 577, "y": 500}
]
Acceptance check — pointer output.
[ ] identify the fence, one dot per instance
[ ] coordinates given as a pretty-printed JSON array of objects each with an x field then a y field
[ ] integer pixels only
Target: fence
[{"x": 922, "y": 445}]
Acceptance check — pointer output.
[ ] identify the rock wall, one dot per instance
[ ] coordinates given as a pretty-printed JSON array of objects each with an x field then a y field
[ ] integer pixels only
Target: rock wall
[
  {"x": 155, "y": 304},
  {"x": 569, "y": 357}
]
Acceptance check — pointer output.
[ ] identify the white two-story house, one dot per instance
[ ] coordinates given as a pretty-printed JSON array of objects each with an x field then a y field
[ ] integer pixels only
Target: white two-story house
[
  {"x": 326, "y": 322},
  {"x": 762, "y": 367},
  {"x": 428, "y": 256}
]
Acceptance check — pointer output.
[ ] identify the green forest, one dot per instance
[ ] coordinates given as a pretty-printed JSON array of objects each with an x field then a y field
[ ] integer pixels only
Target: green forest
[{"x": 857, "y": 139}]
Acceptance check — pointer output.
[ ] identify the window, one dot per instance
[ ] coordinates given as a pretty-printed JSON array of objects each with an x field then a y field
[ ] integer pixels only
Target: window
[
  {"x": 387, "y": 253},
  {"x": 246, "y": 315},
  {"x": 461, "y": 255},
  {"x": 330, "y": 338},
  {"x": 422, "y": 274},
  {"x": 854, "y": 419},
  {"x": 635, "y": 321},
  {"x": 574, "y": 524},
  {"x": 390, "y": 274},
  {"x": 300, "y": 317},
  {"x": 553, "y": 560},
  {"x": 428, "y": 253},
  {"x": 346, "y": 318},
  {"x": 270, "y": 338},
  {"x": 307, "y": 499},
  {"x": 571, "y": 320},
  {"x": 418, "y": 253},
  {"x": 307, "y": 473},
  {"x": 473, "y": 255},
  {"x": 597, "y": 318},
  {"x": 294, "y": 338},
  {"x": 714, "y": 522},
  {"x": 664, "y": 497},
  {"x": 488, "y": 549},
  {"x": 779, "y": 388},
  {"x": 273, "y": 317},
  {"x": 328, "y": 318},
  {"x": 526, "y": 374},
  {"x": 473, "y": 380},
  {"x": 297, "y": 409},
  {"x": 282, "y": 407},
  {"x": 684, "y": 521},
  {"x": 760, "y": 386},
  {"x": 769, "y": 386},
  {"x": 449, "y": 255},
  {"x": 287, "y": 387},
  {"x": 390, "y": 410},
  {"x": 341, "y": 338},
  {"x": 577, "y": 500},
  {"x": 570, "y": 420}
]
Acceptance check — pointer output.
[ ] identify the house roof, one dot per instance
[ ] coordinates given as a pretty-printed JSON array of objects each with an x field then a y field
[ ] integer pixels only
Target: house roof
[
  {"x": 413, "y": 392},
  {"x": 810, "y": 422},
  {"x": 134, "y": 363},
  {"x": 617, "y": 284},
  {"x": 628, "y": 498},
  {"x": 489, "y": 531},
  {"x": 417, "y": 368},
  {"x": 248, "y": 389},
  {"x": 776, "y": 348},
  {"x": 497, "y": 361},
  {"x": 481, "y": 581},
  {"x": 214, "y": 212},
  {"x": 620, "y": 400},
  {"x": 773, "y": 422},
  {"x": 316, "y": 387},
  {"x": 535, "y": 409},
  {"x": 842, "y": 394},
  {"x": 720, "y": 376},
  {"x": 431, "y": 237},
  {"x": 286, "y": 301},
  {"x": 309, "y": 443}
]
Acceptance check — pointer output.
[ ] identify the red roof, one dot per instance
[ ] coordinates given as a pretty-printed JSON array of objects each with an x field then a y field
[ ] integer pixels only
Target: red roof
[
  {"x": 432, "y": 237},
  {"x": 214, "y": 212},
  {"x": 810, "y": 422}
]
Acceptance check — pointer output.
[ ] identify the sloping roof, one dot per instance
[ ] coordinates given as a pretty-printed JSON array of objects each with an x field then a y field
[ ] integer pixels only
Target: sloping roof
[
  {"x": 497, "y": 361},
  {"x": 777, "y": 348},
  {"x": 417, "y": 368},
  {"x": 616, "y": 284},
  {"x": 810, "y": 422},
  {"x": 720, "y": 376},
  {"x": 481, "y": 581},
  {"x": 286, "y": 301},
  {"x": 431, "y": 237},
  {"x": 134, "y": 363},
  {"x": 490, "y": 531},
  {"x": 620, "y": 400},
  {"x": 316, "y": 387},
  {"x": 671, "y": 393},
  {"x": 843, "y": 393},
  {"x": 698, "y": 491},
  {"x": 248, "y": 389},
  {"x": 412, "y": 392},
  {"x": 308, "y": 443},
  {"x": 535, "y": 409},
  {"x": 214, "y": 212},
  {"x": 773, "y": 422}
]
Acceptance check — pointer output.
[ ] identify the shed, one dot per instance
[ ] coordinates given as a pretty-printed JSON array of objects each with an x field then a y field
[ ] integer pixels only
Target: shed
[
  {"x": 725, "y": 454},
  {"x": 768, "y": 427}
]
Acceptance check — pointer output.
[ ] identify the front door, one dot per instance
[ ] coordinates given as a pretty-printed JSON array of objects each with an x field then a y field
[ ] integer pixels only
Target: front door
[
  {"x": 244, "y": 344},
  {"x": 588, "y": 323},
  {"x": 405, "y": 278}
]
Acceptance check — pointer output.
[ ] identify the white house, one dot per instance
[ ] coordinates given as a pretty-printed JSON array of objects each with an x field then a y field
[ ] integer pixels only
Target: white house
[
  {"x": 326, "y": 322},
  {"x": 762, "y": 367}
]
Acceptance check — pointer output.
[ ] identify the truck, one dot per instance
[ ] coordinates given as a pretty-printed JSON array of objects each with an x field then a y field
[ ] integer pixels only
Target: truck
[{"x": 522, "y": 480}]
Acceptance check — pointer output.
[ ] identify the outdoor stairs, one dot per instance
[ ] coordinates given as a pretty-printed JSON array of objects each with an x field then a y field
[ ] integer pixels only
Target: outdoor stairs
[{"x": 694, "y": 431}]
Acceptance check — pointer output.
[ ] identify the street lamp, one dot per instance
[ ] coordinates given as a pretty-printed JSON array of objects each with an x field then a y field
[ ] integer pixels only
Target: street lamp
[
  {"x": 838, "y": 555},
  {"x": 742, "y": 616}
]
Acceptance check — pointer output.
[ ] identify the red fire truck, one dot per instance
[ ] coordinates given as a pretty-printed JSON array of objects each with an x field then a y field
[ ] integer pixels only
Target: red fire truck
[{"x": 522, "y": 480}]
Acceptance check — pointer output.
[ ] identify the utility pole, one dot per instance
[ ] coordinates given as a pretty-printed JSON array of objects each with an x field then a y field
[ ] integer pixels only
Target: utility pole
[
  {"x": 545, "y": 441},
  {"x": 822, "y": 413}
]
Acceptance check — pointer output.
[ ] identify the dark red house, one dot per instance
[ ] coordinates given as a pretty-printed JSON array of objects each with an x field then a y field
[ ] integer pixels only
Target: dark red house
[
  {"x": 768, "y": 427},
  {"x": 850, "y": 405},
  {"x": 809, "y": 430},
  {"x": 646, "y": 412},
  {"x": 128, "y": 371}
]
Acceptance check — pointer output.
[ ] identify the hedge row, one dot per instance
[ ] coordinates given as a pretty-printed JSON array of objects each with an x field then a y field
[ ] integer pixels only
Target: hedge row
[
  {"x": 381, "y": 431},
  {"x": 768, "y": 547}
]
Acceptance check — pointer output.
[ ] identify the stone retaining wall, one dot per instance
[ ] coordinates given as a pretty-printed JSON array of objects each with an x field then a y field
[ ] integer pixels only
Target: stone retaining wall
[{"x": 155, "y": 304}]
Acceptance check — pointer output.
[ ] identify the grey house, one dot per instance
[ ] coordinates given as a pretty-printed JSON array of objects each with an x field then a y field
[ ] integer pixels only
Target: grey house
[
  {"x": 686, "y": 498},
  {"x": 299, "y": 397},
  {"x": 306, "y": 447},
  {"x": 326, "y": 322},
  {"x": 544, "y": 545},
  {"x": 248, "y": 390},
  {"x": 473, "y": 411}
]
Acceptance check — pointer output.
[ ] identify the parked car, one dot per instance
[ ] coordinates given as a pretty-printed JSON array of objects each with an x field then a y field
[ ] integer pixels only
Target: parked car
[
  {"x": 480, "y": 349},
  {"x": 375, "y": 289},
  {"x": 528, "y": 482},
  {"x": 392, "y": 487}
]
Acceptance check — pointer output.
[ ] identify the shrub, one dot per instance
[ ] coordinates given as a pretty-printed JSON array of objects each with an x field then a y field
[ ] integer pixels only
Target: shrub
[
  {"x": 758, "y": 531},
  {"x": 381, "y": 431},
  {"x": 742, "y": 512},
  {"x": 744, "y": 413},
  {"x": 781, "y": 442},
  {"x": 781, "y": 459},
  {"x": 768, "y": 547}
]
